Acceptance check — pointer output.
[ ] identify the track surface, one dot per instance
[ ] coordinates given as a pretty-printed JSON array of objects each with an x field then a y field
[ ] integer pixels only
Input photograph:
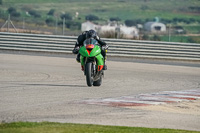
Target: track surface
[{"x": 42, "y": 88}]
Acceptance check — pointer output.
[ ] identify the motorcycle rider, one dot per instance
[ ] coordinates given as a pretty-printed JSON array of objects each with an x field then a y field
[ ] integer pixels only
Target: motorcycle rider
[{"x": 90, "y": 34}]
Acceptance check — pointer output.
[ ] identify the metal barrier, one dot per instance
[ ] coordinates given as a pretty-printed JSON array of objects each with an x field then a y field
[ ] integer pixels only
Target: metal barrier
[{"x": 118, "y": 47}]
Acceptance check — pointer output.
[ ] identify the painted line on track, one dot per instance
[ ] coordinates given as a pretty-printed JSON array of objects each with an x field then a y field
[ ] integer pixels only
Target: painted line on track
[{"x": 160, "y": 98}]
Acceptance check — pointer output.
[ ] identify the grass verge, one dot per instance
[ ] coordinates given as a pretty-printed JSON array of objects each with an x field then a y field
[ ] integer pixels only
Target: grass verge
[{"x": 49, "y": 127}]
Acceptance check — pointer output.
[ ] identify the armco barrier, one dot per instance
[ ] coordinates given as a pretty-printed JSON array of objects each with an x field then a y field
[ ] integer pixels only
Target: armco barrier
[{"x": 118, "y": 47}]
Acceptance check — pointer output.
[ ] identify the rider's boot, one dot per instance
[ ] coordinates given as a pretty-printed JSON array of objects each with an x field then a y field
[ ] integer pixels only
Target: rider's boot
[
  {"x": 105, "y": 66},
  {"x": 78, "y": 58},
  {"x": 82, "y": 68}
]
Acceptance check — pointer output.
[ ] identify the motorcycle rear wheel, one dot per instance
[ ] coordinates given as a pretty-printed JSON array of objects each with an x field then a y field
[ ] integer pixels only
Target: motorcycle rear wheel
[{"x": 98, "y": 82}]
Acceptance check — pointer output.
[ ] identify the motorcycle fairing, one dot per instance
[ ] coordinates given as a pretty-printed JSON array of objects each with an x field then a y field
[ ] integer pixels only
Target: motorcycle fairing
[
  {"x": 99, "y": 59},
  {"x": 92, "y": 52}
]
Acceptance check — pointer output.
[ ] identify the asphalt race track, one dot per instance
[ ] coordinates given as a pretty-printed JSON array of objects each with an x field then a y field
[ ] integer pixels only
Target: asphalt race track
[{"x": 48, "y": 88}]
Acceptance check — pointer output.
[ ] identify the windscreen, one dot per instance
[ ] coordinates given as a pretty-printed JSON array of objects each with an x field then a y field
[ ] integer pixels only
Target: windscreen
[{"x": 90, "y": 41}]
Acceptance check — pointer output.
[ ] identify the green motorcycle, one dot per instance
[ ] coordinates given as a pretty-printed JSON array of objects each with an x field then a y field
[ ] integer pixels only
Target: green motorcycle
[{"x": 92, "y": 62}]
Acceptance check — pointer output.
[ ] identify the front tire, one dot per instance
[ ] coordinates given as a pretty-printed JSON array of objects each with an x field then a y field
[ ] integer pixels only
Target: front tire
[{"x": 89, "y": 74}]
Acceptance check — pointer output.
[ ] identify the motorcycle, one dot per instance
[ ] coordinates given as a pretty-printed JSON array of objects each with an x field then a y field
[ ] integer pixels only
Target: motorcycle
[{"x": 92, "y": 62}]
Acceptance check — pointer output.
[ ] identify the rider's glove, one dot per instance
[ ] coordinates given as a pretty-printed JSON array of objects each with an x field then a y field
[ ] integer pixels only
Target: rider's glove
[
  {"x": 75, "y": 50},
  {"x": 104, "y": 47}
]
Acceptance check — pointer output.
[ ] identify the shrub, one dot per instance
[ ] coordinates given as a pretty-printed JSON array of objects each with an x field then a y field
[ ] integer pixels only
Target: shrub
[
  {"x": 70, "y": 24},
  {"x": 133, "y": 22},
  {"x": 166, "y": 21},
  {"x": 194, "y": 8},
  {"x": 50, "y": 21},
  {"x": 130, "y": 23},
  {"x": 51, "y": 12},
  {"x": 34, "y": 13},
  {"x": 73, "y": 25},
  {"x": 11, "y": 10},
  {"x": 15, "y": 14},
  {"x": 115, "y": 19},
  {"x": 67, "y": 16},
  {"x": 91, "y": 17}
]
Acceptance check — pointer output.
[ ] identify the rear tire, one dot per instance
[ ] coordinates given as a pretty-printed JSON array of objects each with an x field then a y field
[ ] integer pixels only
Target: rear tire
[
  {"x": 98, "y": 82},
  {"x": 89, "y": 74}
]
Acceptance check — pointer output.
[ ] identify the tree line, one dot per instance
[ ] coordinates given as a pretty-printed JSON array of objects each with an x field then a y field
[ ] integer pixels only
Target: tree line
[{"x": 70, "y": 23}]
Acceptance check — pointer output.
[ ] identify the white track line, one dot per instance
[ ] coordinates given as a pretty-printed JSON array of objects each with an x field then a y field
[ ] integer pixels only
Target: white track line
[{"x": 148, "y": 99}]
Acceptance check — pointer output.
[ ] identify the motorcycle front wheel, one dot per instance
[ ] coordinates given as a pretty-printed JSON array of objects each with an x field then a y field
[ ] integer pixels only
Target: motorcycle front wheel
[{"x": 89, "y": 74}]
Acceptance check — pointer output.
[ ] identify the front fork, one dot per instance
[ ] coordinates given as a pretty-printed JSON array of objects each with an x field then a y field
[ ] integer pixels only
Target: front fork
[{"x": 84, "y": 60}]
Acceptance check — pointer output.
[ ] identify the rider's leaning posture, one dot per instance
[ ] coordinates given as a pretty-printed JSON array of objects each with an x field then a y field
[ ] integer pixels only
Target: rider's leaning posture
[{"x": 90, "y": 34}]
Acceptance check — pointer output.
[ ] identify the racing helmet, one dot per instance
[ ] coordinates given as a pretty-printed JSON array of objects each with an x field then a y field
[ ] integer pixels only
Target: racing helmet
[{"x": 91, "y": 34}]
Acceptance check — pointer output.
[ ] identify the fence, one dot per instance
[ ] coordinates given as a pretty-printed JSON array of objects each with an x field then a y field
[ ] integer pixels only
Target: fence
[{"x": 118, "y": 47}]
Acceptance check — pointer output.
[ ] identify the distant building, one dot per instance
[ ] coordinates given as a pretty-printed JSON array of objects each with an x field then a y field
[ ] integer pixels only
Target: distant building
[
  {"x": 112, "y": 27},
  {"x": 88, "y": 26},
  {"x": 129, "y": 32},
  {"x": 155, "y": 27}
]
